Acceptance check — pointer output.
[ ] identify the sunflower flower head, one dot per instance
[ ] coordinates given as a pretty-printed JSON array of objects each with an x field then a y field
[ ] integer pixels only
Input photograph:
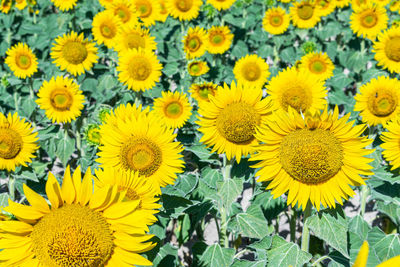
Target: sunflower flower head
[
  {"x": 318, "y": 65},
  {"x": 368, "y": 20},
  {"x": 21, "y": 60},
  {"x": 252, "y": 71},
  {"x": 276, "y": 21},
  {"x": 219, "y": 39},
  {"x": 198, "y": 68},
  {"x": 92, "y": 134},
  {"x": 184, "y": 9},
  {"x": 387, "y": 49},
  {"x": 194, "y": 43},
  {"x": 201, "y": 92}
]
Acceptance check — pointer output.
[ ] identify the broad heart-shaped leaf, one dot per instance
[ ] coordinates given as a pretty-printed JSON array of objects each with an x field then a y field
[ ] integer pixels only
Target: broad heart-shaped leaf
[
  {"x": 229, "y": 190},
  {"x": 358, "y": 231},
  {"x": 383, "y": 246},
  {"x": 390, "y": 209},
  {"x": 183, "y": 185},
  {"x": 65, "y": 149},
  {"x": 243, "y": 263},
  {"x": 252, "y": 225},
  {"x": 331, "y": 227},
  {"x": 211, "y": 176},
  {"x": 283, "y": 253},
  {"x": 216, "y": 256}
]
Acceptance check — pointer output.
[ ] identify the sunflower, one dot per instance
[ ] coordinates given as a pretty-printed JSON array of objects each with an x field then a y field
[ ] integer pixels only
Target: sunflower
[
  {"x": 73, "y": 53},
  {"x": 304, "y": 14},
  {"x": 251, "y": 71},
  {"x": 342, "y": 3},
  {"x": 219, "y": 39},
  {"x": 297, "y": 89},
  {"x": 64, "y": 5},
  {"x": 20, "y": 4},
  {"x": 221, "y": 4},
  {"x": 317, "y": 64},
  {"x": 5, "y": 6},
  {"x": 18, "y": 142},
  {"x": 134, "y": 37},
  {"x": 381, "y": 2},
  {"x": 368, "y": 20},
  {"x": 21, "y": 60},
  {"x": 230, "y": 119},
  {"x": 135, "y": 187},
  {"x": 61, "y": 99},
  {"x": 139, "y": 69},
  {"x": 314, "y": 156},
  {"x": 194, "y": 43},
  {"x": 105, "y": 28},
  {"x": 147, "y": 10},
  {"x": 124, "y": 10},
  {"x": 92, "y": 134},
  {"x": 201, "y": 92},
  {"x": 325, "y": 7},
  {"x": 81, "y": 228},
  {"x": 173, "y": 109},
  {"x": 387, "y": 49},
  {"x": 144, "y": 145},
  {"x": 106, "y": 3},
  {"x": 163, "y": 15},
  {"x": 198, "y": 68},
  {"x": 394, "y": 5},
  {"x": 125, "y": 113},
  {"x": 184, "y": 9},
  {"x": 276, "y": 20}
]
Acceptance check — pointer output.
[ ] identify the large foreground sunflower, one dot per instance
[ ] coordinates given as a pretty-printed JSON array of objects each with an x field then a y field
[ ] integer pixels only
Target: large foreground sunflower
[
  {"x": 81, "y": 228},
  {"x": 18, "y": 142},
  {"x": 304, "y": 14},
  {"x": 251, "y": 71},
  {"x": 276, "y": 20},
  {"x": 73, "y": 53},
  {"x": 61, "y": 99},
  {"x": 368, "y": 20},
  {"x": 230, "y": 119},
  {"x": 194, "y": 43},
  {"x": 387, "y": 49},
  {"x": 221, "y": 4},
  {"x": 184, "y": 9},
  {"x": 105, "y": 28},
  {"x": 21, "y": 60},
  {"x": 64, "y": 5},
  {"x": 219, "y": 39},
  {"x": 315, "y": 157},
  {"x": 318, "y": 65}
]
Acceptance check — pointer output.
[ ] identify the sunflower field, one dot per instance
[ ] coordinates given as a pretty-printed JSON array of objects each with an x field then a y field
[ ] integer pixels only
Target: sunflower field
[{"x": 244, "y": 133}]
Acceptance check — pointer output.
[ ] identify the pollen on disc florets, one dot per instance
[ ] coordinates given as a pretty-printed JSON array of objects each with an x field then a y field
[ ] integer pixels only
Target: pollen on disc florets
[
  {"x": 74, "y": 52},
  {"x": 10, "y": 143}
]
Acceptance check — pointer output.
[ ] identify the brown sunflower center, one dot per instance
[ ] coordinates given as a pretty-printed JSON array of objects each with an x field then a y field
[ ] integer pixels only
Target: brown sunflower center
[
  {"x": 392, "y": 48},
  {"x": 61, "y": 99},
  {"x": 173, "y": 109},
  {"x": 382, "y": 104},
  {"x": 217, "y": 38},
  {"x": 139, "y": 69},
  {"x": 86, "y": 240},
  {"x": 74, "y": 52},
  {"x": 23, "y": 61},
  {"x": 193, "y": 43},
  {"x": 251, "y": 71},
  {"x": 10, "y": 143},
  {"x": 237, "y": 122},
  {"x": 317, "y": 66},
  {"x": 311, "y": 156},
  {"x": 305, "y": 11},
  {"x": 369, "y": 19},
  {"x": 144, "y": 8},
  {"x": 141, "y": 154},
  {"x": 296, "y": 97},
  {"x": 135, "y": 40},
  {"x": 276, "y": 20},
  {"x": 184, "y": 5},
  {"x": 123, "y": 13},
  {"x": 108, "y": 30}
]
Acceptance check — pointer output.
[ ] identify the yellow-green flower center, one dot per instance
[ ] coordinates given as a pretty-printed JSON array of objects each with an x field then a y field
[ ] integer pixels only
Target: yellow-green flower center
[
  {"x": 85, "y": 240},
  {"x": 135, "y": 40},
  {"x": 251, "y": 71},
  {"x": 123, "y": 13},
  {"x": 108, "y": 30},
  {"x": 297, "y": 97},
  {"x": 237, "y": 122},
  {"x": 23, "y": 61},
  {"x": 276, "y": 20},
  {"x": 61, "y": 99},
  {"x": 369, "y": 19},
  {"x": 204, "y": 92},
  {"x": 305, "y": 11},
  {"x": 317, "y": 66},
  {"x": 139, "y": 68},
  {"x": 74, "y": 52},
  {"x": 193, "y": 43},
  {"x": 10, "y": 143},
  {"x": 195, "y": 68},
  {"x": 311, "y": 156},
  {"x": 217, "y": 39},
  {"x": 144, "y": 8},
  {"x": 94, "y": 136},
  {"x": 392, "y": 48},
  {"x": 382, "y": 103},
  {"x": 184, "y": 5},
  {"x": 173, "y": 109}
]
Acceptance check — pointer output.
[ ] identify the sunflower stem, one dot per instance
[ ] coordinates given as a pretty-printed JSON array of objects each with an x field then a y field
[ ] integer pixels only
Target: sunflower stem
[
  {"x": 364, "y": 195},
  {"x": 305, "y": 236},
  {"x": 11, "y": 187},
  {"x": 138, "y": 98},
  {"x": 292, "y": 223},
  {"x": 224, "y": 210}
]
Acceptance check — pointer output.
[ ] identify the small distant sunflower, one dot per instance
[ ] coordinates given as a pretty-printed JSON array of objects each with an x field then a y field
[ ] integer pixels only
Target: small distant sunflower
[
  {"x": 184, "y": 9},
  {"x": 198, "y": 68},
  {"x": 61, "y": 99},
  {"x": 314, "y": 156},
  {"x": 342, "y": 3},
  {"x": 139, "y": 69},
  {"x": 251, "y": 71},
  {"x": 147, "y": 11},
  {"x": 5, "y": 6},
  {"x": 325, "y": 7},
  {"x": 105, "y": 28},
  {"x": 304, "y": 14},
  {"x": 229, "y": 121},
  {"x": 21, "y": 60},
  {"x": 194, "y": 43},
  {"x": 92, "y": 134},
  {"x": 163, "y": 15},
  {"x": 387, "y": 49},
  {"x": 317, "y": 64},
  {"x": 219, "y": 39},
  {"x": 73, "y": 53},
  {"x": 18, "y": 142},
  {"x": 201, "y": 92},
  {"x": 276, "y": 20},
  {"x": 221, "y": 4},
  {"x": 124, "y": 10},
  {"x": 368, "y": 20},
  {"x": 173, "y": 109},
  {"x": 81, "y": 228},
  {"x": 20, "y": 4},
  {"x": 64, "y": 5},
  {"x": 143, "y": 145},
  {"x": 134, "y": 37},
  {"x": 379, "y": 100}
]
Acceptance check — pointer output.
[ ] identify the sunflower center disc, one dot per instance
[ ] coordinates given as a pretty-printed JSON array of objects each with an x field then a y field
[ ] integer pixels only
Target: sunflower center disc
[
  {"x": 392, "y": 49},
  {"x": 382, "y": 104},
  {"x": 195, "y": 68},
  {"x": 10, "y": 143},
  {"x": 251, "y": 72},
  {"x": 237, "y": 122},
  {"x": 123, "y": 14},
  {"x": 141, "y": 155},
  {"x": 204, "y": 92},
  {"x": 108, "y": 31},
  {"x": 184, "y": 5},
  {"x": 84, "y": 241},
  {"x": 74, "y": 52},
  {"x": 144, "y": 9},
  {"x": 369, "y": 20},
  {"x": 317, "y": 67},
  {"x": 135, "y": 40},
  {"x": 276, "y": 20},
  {"x": 194, "y": 44},
  {"x": 23, "y": 62},
  {"x": 311, "y": 156},
  {"x": 305, "y": 11},
  {"x": 140, "y": 69},
  {"x": 61, "y": 99},
  {"x": 296, "y": 97},
  {"x": 217, "y": 39},
  {"x": 173, "y": 110}
]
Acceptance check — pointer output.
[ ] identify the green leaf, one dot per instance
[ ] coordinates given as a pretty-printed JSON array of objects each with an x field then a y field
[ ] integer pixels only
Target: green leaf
[
  {"x": 65, "y": 149},
  {"x": 243, "y": 263},
  {"x": 283, "y": 253},
  {"x": 229, "y": 190},
  {"x": 358, "y": 231},
  {"x": 216, "y": 256},
  {"x": 4, "y": 199},
  {"x": 240, "y": 50},
  {"x": 171, "y": 68},
  {"x": 211, "y": 176},
  {"x": 390, "y": 209},
  {"x": 251, "y": 225},
  {"x": 288, "y": 55},
  {"x": 383, "y": 246},
  {"x": 167, "y": 256},
  {"x": 183, "y": 186}
]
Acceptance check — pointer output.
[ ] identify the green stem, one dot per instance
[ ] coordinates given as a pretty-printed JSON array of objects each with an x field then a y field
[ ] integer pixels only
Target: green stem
[
  {"x": 11, "y": 187},
  {"x": 362, "y": 46},
  {"x": 138, "y": 98},
  {"x": 292, "y": 224},
  {"x": 305, "y": 237},
  {"x": 16, "y": 101},
  {"x": 79, "y": 143},
  {"x": 224, "y": 210},
  {"x": 364, "y": 195}
]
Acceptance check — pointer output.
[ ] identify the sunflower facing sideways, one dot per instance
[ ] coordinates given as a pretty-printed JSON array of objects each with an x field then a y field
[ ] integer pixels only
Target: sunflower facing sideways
[
  {"x": 368, "y": 20},
  {"x": 64, "y": 5},
  {"x": 106, "y": 229},
  {"x": 387, "y": 50},
  {"x": 314, "y": 156},
  {"x": 18, "y": 142},
  {"x": 184, "y": 9},
  {"x": 317, "y": 64},
  {"x": 21, "y": 60},
  {"x": 201, "y": 92},
  {"x": 105, "y": 28},
  {"x": 304, "y": 14},
  {"x": 139, "y": 69},
  {"x": 229, "y": 121},
  {"x": 221, "y": 4},
  {"x": 251, "y": 71},
  {"x": 61, "y": 99},
  {"x": 73, "y": 53},
  {"x": 219, "y": 39},
  {"x": 173, "y": 109},
  {"x": 198, "y": 68},
  {"x": 134, "y": 37},
  {"x": 147, "y": 11},
  {"x": 276, "y": 20}
]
